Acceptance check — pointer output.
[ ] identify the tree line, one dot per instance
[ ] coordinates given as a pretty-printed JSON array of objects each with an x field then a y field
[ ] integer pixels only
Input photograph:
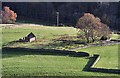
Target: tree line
[{"x": 69, "y": 13}]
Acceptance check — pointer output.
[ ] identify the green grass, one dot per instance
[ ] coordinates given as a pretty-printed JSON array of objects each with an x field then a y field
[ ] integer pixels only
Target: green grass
[
  {"x": 25, "y": 63},
  {"x": 28, "y": 64},
  {"x": 109, "y": 56},
  {"x": 47, "y": 37},
  {"x": 43, "y": 65},
  {"x": 44, "y": 33},
  {"x": 115, "y": 36}
]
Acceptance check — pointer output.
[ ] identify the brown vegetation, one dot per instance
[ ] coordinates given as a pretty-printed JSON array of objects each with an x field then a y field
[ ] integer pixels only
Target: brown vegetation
[
  {"x": 92, "y": 27},
  {"x": 8, "y": 16}
]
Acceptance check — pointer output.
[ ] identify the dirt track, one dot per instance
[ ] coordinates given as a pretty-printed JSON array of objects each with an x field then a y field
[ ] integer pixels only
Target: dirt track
[{"x": 104, "y": 43}]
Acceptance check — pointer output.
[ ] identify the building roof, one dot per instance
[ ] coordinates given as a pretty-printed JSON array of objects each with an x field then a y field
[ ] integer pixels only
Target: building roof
[{"x": 31, "y": 35}]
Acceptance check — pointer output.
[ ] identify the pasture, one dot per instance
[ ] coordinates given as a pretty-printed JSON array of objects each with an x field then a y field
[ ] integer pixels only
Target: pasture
[{"x": 52, "y": 58}]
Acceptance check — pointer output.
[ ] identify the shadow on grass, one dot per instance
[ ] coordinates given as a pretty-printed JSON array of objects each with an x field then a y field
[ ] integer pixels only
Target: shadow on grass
[
  {"x": 14, "y": 52},
  {"x": 89, "y": 67}
]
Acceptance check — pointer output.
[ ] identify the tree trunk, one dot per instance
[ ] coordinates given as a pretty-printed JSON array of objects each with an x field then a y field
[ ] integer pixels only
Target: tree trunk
[
  {"x": 87, "y": 38},
  {"x": 93, "y": 40}
]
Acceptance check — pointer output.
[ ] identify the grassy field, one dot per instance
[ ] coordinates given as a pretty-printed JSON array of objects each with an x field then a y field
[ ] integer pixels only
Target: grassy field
[
  {"x": 109, "y": 55},
  {"x": 44, "y": 35},
  {"x": 32, "y": 63},
  {"x": 46, "y": 65}
]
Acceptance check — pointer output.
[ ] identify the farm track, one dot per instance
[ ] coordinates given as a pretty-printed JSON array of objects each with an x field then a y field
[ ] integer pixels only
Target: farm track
[{"x": 106, "y": 43}]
